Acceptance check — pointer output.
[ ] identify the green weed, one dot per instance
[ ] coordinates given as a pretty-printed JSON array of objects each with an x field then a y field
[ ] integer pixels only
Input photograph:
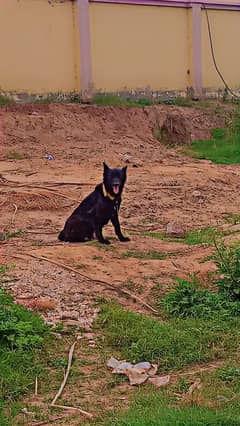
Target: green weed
[
  {"x": 5, "y": 100},
  {"x": 193, "y": 237},
  {"x": 80, "y": 266},
  {"x": 15, "y": 155},
  {"x": 119, "y": 101},
  {"x": 153, "y": 409},
  {"x": 223, "y": 147},
  {"x": 7, "y": 235},
  {"x": 232, "y": 218},
  {"x": 228, "y": 374},
  {"x": 189, "y": 299},
  {"x": 148, "y": 255},
  {"x": 22, "y": 335},
  {"x": 227, "y": 261}
]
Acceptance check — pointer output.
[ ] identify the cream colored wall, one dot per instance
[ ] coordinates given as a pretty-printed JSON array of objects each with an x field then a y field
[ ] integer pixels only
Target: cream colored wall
[
  {"x": 139, "y": 46},
  {"x": 225, "y": 28},
  {"x": 38, "y": 46}
]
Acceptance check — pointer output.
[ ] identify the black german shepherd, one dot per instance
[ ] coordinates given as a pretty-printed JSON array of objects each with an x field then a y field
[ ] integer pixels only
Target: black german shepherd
[{"x": 95, "y": 211}]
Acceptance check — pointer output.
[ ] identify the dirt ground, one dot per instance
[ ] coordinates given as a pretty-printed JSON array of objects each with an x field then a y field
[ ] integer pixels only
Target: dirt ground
[{"x": 37, "y": 195}]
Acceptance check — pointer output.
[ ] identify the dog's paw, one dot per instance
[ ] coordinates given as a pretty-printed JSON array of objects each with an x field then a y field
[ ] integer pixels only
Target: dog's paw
[
  {"x": 125, "y": 239},
  {"x": 105, "y": 242}
]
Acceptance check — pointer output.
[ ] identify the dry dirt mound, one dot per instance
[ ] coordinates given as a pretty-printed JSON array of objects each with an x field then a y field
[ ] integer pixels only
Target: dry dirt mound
[{"x": 102, "y": 132}]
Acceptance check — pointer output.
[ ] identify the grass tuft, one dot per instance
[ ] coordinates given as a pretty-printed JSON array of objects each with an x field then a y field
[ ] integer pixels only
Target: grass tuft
[
  {"x": 119, "y": 101},
  {"x": 222, "y": 148},
  {"x": 193, "y": 237},
  {"x": 148, "y": 255},
  {"x": 153, "y": 409},
  {"x": 173, "y": 344}
]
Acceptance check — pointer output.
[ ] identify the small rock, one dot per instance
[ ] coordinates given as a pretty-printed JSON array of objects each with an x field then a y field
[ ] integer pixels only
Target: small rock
[
  {"x": 175, "y": 230},
  {"x": 197, "y": 194},
  {"x": 70, "y": 315}
]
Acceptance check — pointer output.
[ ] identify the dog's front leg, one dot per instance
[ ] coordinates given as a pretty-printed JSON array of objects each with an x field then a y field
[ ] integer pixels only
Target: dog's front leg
[
  {"x": 117, "y": 228},
  {"x": 99, "y": 235}
]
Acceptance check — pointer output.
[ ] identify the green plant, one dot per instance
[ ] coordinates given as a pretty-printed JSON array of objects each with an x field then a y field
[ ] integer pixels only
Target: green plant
[
  {"x": 148, "y": 255},
  {"x": 227, "y": 261},
  {"x": 19, "y": 328},
  {"x": 15, "y": 155},
  {"x": 193, "y": 237},
  {"x": 232, "y": 218},
  {"x": 120, "y": 101},
  {"x": 228, "y": 374},
  {"x": 5, "y": 100},
  {"x": 173, "y": 344},
  {"x": 223, "y": 147},
  {"x": 153, "y": 409},
  {"x": 7, "y": 235},
  {"x": 188, "y": 299}
]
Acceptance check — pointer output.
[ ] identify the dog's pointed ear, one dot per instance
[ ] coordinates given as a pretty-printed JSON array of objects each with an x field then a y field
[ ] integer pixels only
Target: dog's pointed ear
[
  {"x": 105, "y": 167},
  {"x": 124, "y": 169}
]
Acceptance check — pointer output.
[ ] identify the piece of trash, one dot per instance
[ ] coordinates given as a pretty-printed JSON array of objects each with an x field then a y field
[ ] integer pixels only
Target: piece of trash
[
  {"x": 112, "y": 362},
  {"x": 136, "y": 377},
  {"x": 145, "y": 365},
  {"x": 122, "y": 367},
  {"x": 159, "y": 380},
  {"x": 49, "y": 157},
  {"x": 137, "y": 373}
]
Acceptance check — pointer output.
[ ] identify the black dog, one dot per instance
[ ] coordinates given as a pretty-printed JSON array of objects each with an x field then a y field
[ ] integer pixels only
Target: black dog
[{"x": 97, "y": 209}]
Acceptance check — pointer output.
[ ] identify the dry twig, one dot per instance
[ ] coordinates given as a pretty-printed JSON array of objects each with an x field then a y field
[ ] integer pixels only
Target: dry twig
[
  {"x": 70, "y": 356},
  {"x": 106, "y": 284}
]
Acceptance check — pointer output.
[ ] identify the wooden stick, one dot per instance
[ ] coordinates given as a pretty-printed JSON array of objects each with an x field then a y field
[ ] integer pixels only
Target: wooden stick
[
  {"x": 100, "y": 282},
  {"x": 14, "y": 214},
  {"x": 70, "y": 356},
  {"x": 15, "y": 182},
  {"x": 66, "y": 407},
  {"x": 36, "y": 386},
  {"x": 46, "y": 422}
]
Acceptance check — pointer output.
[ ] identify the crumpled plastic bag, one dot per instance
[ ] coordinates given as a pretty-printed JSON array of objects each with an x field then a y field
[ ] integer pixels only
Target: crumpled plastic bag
[{"x": 138, "y": 373}]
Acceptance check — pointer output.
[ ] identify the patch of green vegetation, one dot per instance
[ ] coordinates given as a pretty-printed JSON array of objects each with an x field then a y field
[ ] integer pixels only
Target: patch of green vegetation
[
  {"x": 227, "y": 261},
  {"x": 232, "y": 218},
  {"x": 223, "y": 147},
  {"x": 153, "y": 409},
  {"x": 148, "y": 255},
  {"x": 7, "y": 235},
  {"x": 119, "y": 101},
  {"x": 80, "y": 266},
  {"x": 58, "y": 98},
  {"x": 193, "y": 237},
  {"x": 22, "y": 335},
  {"x": 97, "y": 257},
  {"x": 5, "y": 100},
  {"x": 132, "y": 286},
  {"x": 15, "y": 155},
  {"x": 179, "y": 101},
  {"x": 189, "y": 299},
  {"x": 173, "y": 344},
  {"x": 228, "y": 374},
  {"x": 106, "y": 247}
]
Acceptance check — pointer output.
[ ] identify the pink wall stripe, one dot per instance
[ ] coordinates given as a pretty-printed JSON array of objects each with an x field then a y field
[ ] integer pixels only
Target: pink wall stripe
[
  {"x": 197, "y": 49},
  {"x": 85, "y": 47},
  {"x": 175, "y": 3}
]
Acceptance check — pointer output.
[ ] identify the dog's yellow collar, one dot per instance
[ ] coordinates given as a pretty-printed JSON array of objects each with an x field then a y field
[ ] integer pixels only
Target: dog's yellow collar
[{"x": 106, "y": 194}]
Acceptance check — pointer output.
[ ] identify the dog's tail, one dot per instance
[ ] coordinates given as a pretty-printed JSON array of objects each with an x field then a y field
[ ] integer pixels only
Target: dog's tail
[{"x": 61, "y": 236}]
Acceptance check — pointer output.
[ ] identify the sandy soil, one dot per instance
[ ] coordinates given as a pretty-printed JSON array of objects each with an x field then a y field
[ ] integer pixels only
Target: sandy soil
[{"x": 37, "y": 195}]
